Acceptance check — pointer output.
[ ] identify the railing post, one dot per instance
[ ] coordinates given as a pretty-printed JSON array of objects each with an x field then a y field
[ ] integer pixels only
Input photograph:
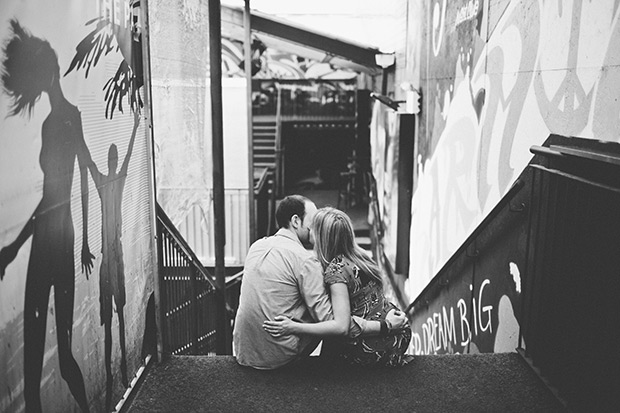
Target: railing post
[
  {"x": 247, "y": 46},
  {"x": 162, "y": 288},
  {"x": 193, "y": 312},
  {"x": 224, "y": 346}
]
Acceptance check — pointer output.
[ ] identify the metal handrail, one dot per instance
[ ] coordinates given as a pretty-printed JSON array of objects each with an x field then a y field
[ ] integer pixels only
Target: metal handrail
[
  {"x": 574, "y": 256},
  {"x": 260, "y": 183},
  {"x": 561, "y": 151},
  {"x": 165, "y": 221},
  {"x": 576, "y": 178},
  {"x": 187, "y": 293}
]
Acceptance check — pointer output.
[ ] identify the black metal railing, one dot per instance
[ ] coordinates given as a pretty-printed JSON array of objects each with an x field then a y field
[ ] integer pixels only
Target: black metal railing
[
  {"x": 571, "y": 310},
  {"x": 187, "y": 294},
  {"x": 305, "y": 98}
]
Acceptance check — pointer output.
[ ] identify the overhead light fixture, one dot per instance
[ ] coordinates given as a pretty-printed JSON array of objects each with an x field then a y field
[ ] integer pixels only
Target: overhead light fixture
[{"x": 385, "y": 60}]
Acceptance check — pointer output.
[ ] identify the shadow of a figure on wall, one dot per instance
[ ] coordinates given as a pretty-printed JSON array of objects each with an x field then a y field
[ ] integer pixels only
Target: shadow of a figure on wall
[
  {"x": 112, "y": 271},
  {"x": 30, "y": 68}
]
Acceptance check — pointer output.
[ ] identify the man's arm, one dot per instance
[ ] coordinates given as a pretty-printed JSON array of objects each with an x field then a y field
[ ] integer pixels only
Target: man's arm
[
  {"x": 313, "y": 291},
  {"x": 338, "y": 326}
]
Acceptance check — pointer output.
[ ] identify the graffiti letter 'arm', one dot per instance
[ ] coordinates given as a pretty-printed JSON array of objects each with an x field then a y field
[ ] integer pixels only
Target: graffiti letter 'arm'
[
  {"x": 85, "y": 162},
  {"x": 8, "y": 253},
  {"x": 136, "y": 123}
]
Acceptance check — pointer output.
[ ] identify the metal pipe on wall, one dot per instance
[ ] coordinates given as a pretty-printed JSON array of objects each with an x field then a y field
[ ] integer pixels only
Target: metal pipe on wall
[
  {"x": 223, "y": 342},
  {"x": 247, "y": 49}
]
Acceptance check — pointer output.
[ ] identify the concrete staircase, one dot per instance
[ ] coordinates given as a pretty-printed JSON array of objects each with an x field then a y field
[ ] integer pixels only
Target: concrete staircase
[{"x": 442, "y": 383}]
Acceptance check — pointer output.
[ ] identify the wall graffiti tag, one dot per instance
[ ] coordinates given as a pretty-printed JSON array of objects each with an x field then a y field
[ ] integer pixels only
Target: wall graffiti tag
[
  {"x": 439, "y": 332},
  {"x": 497, "y": 82}
]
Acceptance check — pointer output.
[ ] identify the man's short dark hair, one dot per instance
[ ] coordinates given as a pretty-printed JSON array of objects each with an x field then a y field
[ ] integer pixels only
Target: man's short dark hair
[{"x": 289, "y": 206}]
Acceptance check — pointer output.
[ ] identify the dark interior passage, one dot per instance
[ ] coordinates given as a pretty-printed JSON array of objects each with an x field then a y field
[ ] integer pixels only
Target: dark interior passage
[{"x": 315, "y": 154}]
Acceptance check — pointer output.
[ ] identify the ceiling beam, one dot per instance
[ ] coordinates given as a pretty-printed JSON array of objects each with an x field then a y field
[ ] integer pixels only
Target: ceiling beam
[{"x": 331, "y": 46}]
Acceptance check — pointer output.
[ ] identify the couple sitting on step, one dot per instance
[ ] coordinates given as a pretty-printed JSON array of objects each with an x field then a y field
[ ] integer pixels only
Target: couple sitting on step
[{"x": 292, "y": 298}]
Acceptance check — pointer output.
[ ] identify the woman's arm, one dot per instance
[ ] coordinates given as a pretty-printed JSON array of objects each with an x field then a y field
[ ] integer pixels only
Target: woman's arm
[
  {"x": 395, "y": 319},
  {"x": 339, "y": 326}
]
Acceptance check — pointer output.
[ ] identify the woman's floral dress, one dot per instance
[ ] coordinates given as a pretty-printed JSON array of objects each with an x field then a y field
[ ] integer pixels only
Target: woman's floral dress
[{"x": 368, "y": 302}]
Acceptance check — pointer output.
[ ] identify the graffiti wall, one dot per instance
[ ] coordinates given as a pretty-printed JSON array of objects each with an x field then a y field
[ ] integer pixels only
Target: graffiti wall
[
  {"x": 384, "y": 164},
  {"x": 76, "y": 235},
  {"x": 473, "y": 305},
  {"x": 498, "y": 77}
]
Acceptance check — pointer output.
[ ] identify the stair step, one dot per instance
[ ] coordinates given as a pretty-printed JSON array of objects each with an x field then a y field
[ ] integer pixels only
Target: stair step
[{"x": 443, "y": 383}]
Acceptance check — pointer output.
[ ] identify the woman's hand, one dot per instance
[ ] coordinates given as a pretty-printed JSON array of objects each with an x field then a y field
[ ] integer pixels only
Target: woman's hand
[
  {"x": 396, "y": 319},
  {"x": 280, "y": 326}
]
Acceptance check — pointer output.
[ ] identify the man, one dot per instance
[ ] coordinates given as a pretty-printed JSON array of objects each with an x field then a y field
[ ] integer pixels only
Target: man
[{"x": 282, "y": 277}]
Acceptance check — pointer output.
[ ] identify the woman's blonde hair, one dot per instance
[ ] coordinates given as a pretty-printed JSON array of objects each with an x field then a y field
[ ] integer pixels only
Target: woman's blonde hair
[{"x": 334, "y": 236}]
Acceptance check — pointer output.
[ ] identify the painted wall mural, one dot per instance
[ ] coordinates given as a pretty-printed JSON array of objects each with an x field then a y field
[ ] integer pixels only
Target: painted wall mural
[
  {"x": 498, "y": 77},
  {"x": 71, "y": 102},
  {"x": 474, "y": 304},
  {"x": 384, "y": 164}
]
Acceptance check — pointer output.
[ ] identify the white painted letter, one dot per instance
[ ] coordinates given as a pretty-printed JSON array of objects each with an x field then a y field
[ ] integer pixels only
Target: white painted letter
[
  {"x": 486, "y": 309},
  {"x": 449, "y": 327},
  {"x": 464, "y": 323}
]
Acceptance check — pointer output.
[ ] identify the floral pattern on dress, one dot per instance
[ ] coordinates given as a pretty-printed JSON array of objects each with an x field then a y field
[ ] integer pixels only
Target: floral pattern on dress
[{"x": 368, "y": 301}]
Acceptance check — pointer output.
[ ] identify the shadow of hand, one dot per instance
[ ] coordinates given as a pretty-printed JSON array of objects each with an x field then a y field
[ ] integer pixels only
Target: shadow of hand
[
  {"x": 7, "y": 255},
  {"x": 87, "y": 260}
]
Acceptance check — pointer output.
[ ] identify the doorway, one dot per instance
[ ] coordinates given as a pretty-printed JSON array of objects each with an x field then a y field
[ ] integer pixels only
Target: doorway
[{"x": 315, "y": 153}]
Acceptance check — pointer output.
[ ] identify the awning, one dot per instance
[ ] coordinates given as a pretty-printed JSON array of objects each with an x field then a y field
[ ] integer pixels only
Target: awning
[{"x": 289, "y": 37}]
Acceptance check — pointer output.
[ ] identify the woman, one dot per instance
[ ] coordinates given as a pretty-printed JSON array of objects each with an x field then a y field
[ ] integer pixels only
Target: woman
[
  {"x": 355, "y": 288},
  {"x": 29, "y": 69}
]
